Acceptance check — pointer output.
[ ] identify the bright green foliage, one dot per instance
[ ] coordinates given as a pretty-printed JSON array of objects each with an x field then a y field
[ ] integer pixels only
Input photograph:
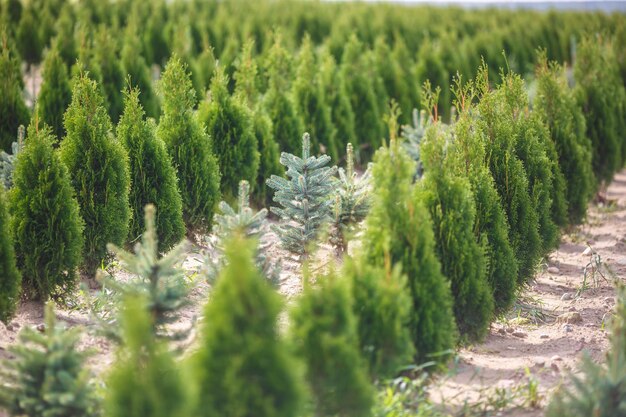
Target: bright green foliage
[
  {"x": 352, "y": 201},
  {"x": 510, "y": 178},
  {"x": 13, "y": 111},
  {"x": 399, "y": 230},
  {"x": 7, "y": 160},
  {"x": 325, "y": 336},
  {"x": 27, "y": 36},
  {"x": 98, "y": 167},
  {"x": 429, "y": 67},
  {"x": 450, "y": 202},
  {"x": 556, "y": 104},
  {"x": 413, "y": 135},
  {"x": 309, "y": 96},
  {"x": 394, "y": 74},
  {"x": 229, "y": 123},
  {"x": 382, "y": 307},
  {"x": 48, "y": 376},
  {"x": 247, "y": 91},
  {"x": 280, "y": 106},
  {"x": 368, "y": 124},
  {"x": 145, "y": 380},
  {"x": 55, "y": 95},
  {"x": 304, "y": 198},
  {"x": 153, "y": 178},
  {"x": 46, "y": 224},
  {"x": 204, "y": 67},
  {"x": 64, "y": 41},
  {"x": 601, "y": 389},
  {"x": 106, "y": 58},
  {"x": 190, "y": 147},
  {"x": 10, "y": 278},
  {"x": 243, "y": 368},
  {"x": 160, "y": 280},
  {"x": 598, "y": 90}
]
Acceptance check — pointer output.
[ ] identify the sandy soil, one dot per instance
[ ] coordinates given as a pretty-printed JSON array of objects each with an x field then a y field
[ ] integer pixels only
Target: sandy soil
[{"x": 533, "y": 343}]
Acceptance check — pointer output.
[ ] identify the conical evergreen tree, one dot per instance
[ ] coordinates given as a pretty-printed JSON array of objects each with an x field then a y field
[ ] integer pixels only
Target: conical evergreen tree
[
  {"x": 10, "y": 278},
  {"x": 243, "y": 368},
  {"x": 556, "y": 104},
  {"x": 153, "y": 177},
  {"x": 324, "y": 333},
  {"x": 64, "y": 41},
  {"x": 98, "y": 167},
  {"x": 13, "y": 111},
  {"x": 429, "y": 67},
  {"x": 190, "y": 148},
  {"x": 229, "y": 123},
  {"x": 145, "y": 380},
  {"x": 55, "y": 95},
  {"x": 27, "y": 36},
  {"x": 394, "y": 75},
  {"x": 399, "y": 230},
  {"x": 106, "y": 58},
  {"x": 43, "y": 195},
  {"x": 286, "y": 121},
  {"x": 308, "y": 93},
  {"x": 451, "y": 205},
  {"x": 204, "y": 67}
]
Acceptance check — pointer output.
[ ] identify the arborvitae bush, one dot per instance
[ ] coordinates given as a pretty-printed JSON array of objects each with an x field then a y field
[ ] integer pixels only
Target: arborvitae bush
[
  {"x": 64, "y": 41},
  {"x": 246, "y": 90},
  {"x": 243, "y": 367},
  {"x": 46, "y": 223},
  {"x": 145, "y": 380},
  {"x": 382, "y": 307},
  {"x": 310, "y": 99},
  {"x": 597, "y": 87},
  {"x": 190, "y": 147},
  {"x": 229, "y": 123},
  {"x": 106, "y": 57},
  {"x": 600, "y": 390},
  {"x": 280, "y": 106},
  {"x": 305, "y": 198},
  {"x": 429, "y": 67},
  {"x": 449, "y": 199},
  {"x": 48, "y": 376},
  {"x": 555, "y": 102},
  {"x": 27, "y": 36},
  {"x": 153, "y": 177},
  {"x": 98, "y": 167},
  {"x": 10, "y": 278},
  {"x": 55, "y": 95},
  {"x": 394, "y": 75},
  {"x": 204, "y": 67},
  {"x": 325, "y": 336},
  {"x": 13, "y": 111},
  {"x": 510, "y": 178},
  {"x": 399, "y": 230}
]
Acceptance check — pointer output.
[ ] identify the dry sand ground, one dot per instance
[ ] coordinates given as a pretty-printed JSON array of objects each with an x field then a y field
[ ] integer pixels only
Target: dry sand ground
[{"x": 532, "y": 343}]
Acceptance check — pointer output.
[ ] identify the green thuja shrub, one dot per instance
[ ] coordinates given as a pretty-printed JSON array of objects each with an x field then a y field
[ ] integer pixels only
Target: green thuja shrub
[
  {"x": 429, "y": 67},
  {"x": 55, "y": 95},
  {"x": 159, "y": 279},
  {"x": 310, "y": 99},
  {"x": 105, "y": 56},
  {"x": 46, "y": 224},
  {"x": 64, "y": 41},
  {"x": 27, "y": 36},
  {"x": 243, "y": 367},
  {"x": 399, "y": 230},
  {"x": 48, "y": 376},
  {"x": 600, "y": 389},
  {"x": 190, "y": 147},
  {"x": 449, "y": 199},
  {"x": 10, "y": 278},
  {"x": 280, "y": 106},
  {"x": 382, "y": 307},
  {"x": 229, "y": 123},
  {"x": 394, "y": 74},
  {"x": 98, "y": 167},
  {"x": 555, "y": 102},
  {"x": 153, "y": 177},
  {"x": 145, "y": 380},
  {"x": 304, "y": 198},
  {"x": 13, "y": 111},
  {"x": 7, "y": 160},
  {"x": 325, "y": 336}
]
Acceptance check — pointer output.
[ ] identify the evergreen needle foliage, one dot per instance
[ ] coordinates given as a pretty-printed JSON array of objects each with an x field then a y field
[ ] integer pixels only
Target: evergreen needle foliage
[
  {"x": 7, "y": 160},
  {"x": 160, "y": 280},
  {"x": 98, "y": 167},
  {"x": 303, "y": 197},
  {"x": 413, "y": 135},
  {"x": 325, "y": 336},
  {"x": 153, "y": 177},
  {"x": 145, "y": 380},
  {"x": 13, "y": 111},
  {"x": 48, "y": 376},
  {"x": 243, "y": 367},
  {"x": 229, "y": 124},
  {"x": 190, "y": 147},
  {"x": 55, "y": 95},
  {"x": 46, "y": 224},
  {"x": 10, "y": 278}
]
